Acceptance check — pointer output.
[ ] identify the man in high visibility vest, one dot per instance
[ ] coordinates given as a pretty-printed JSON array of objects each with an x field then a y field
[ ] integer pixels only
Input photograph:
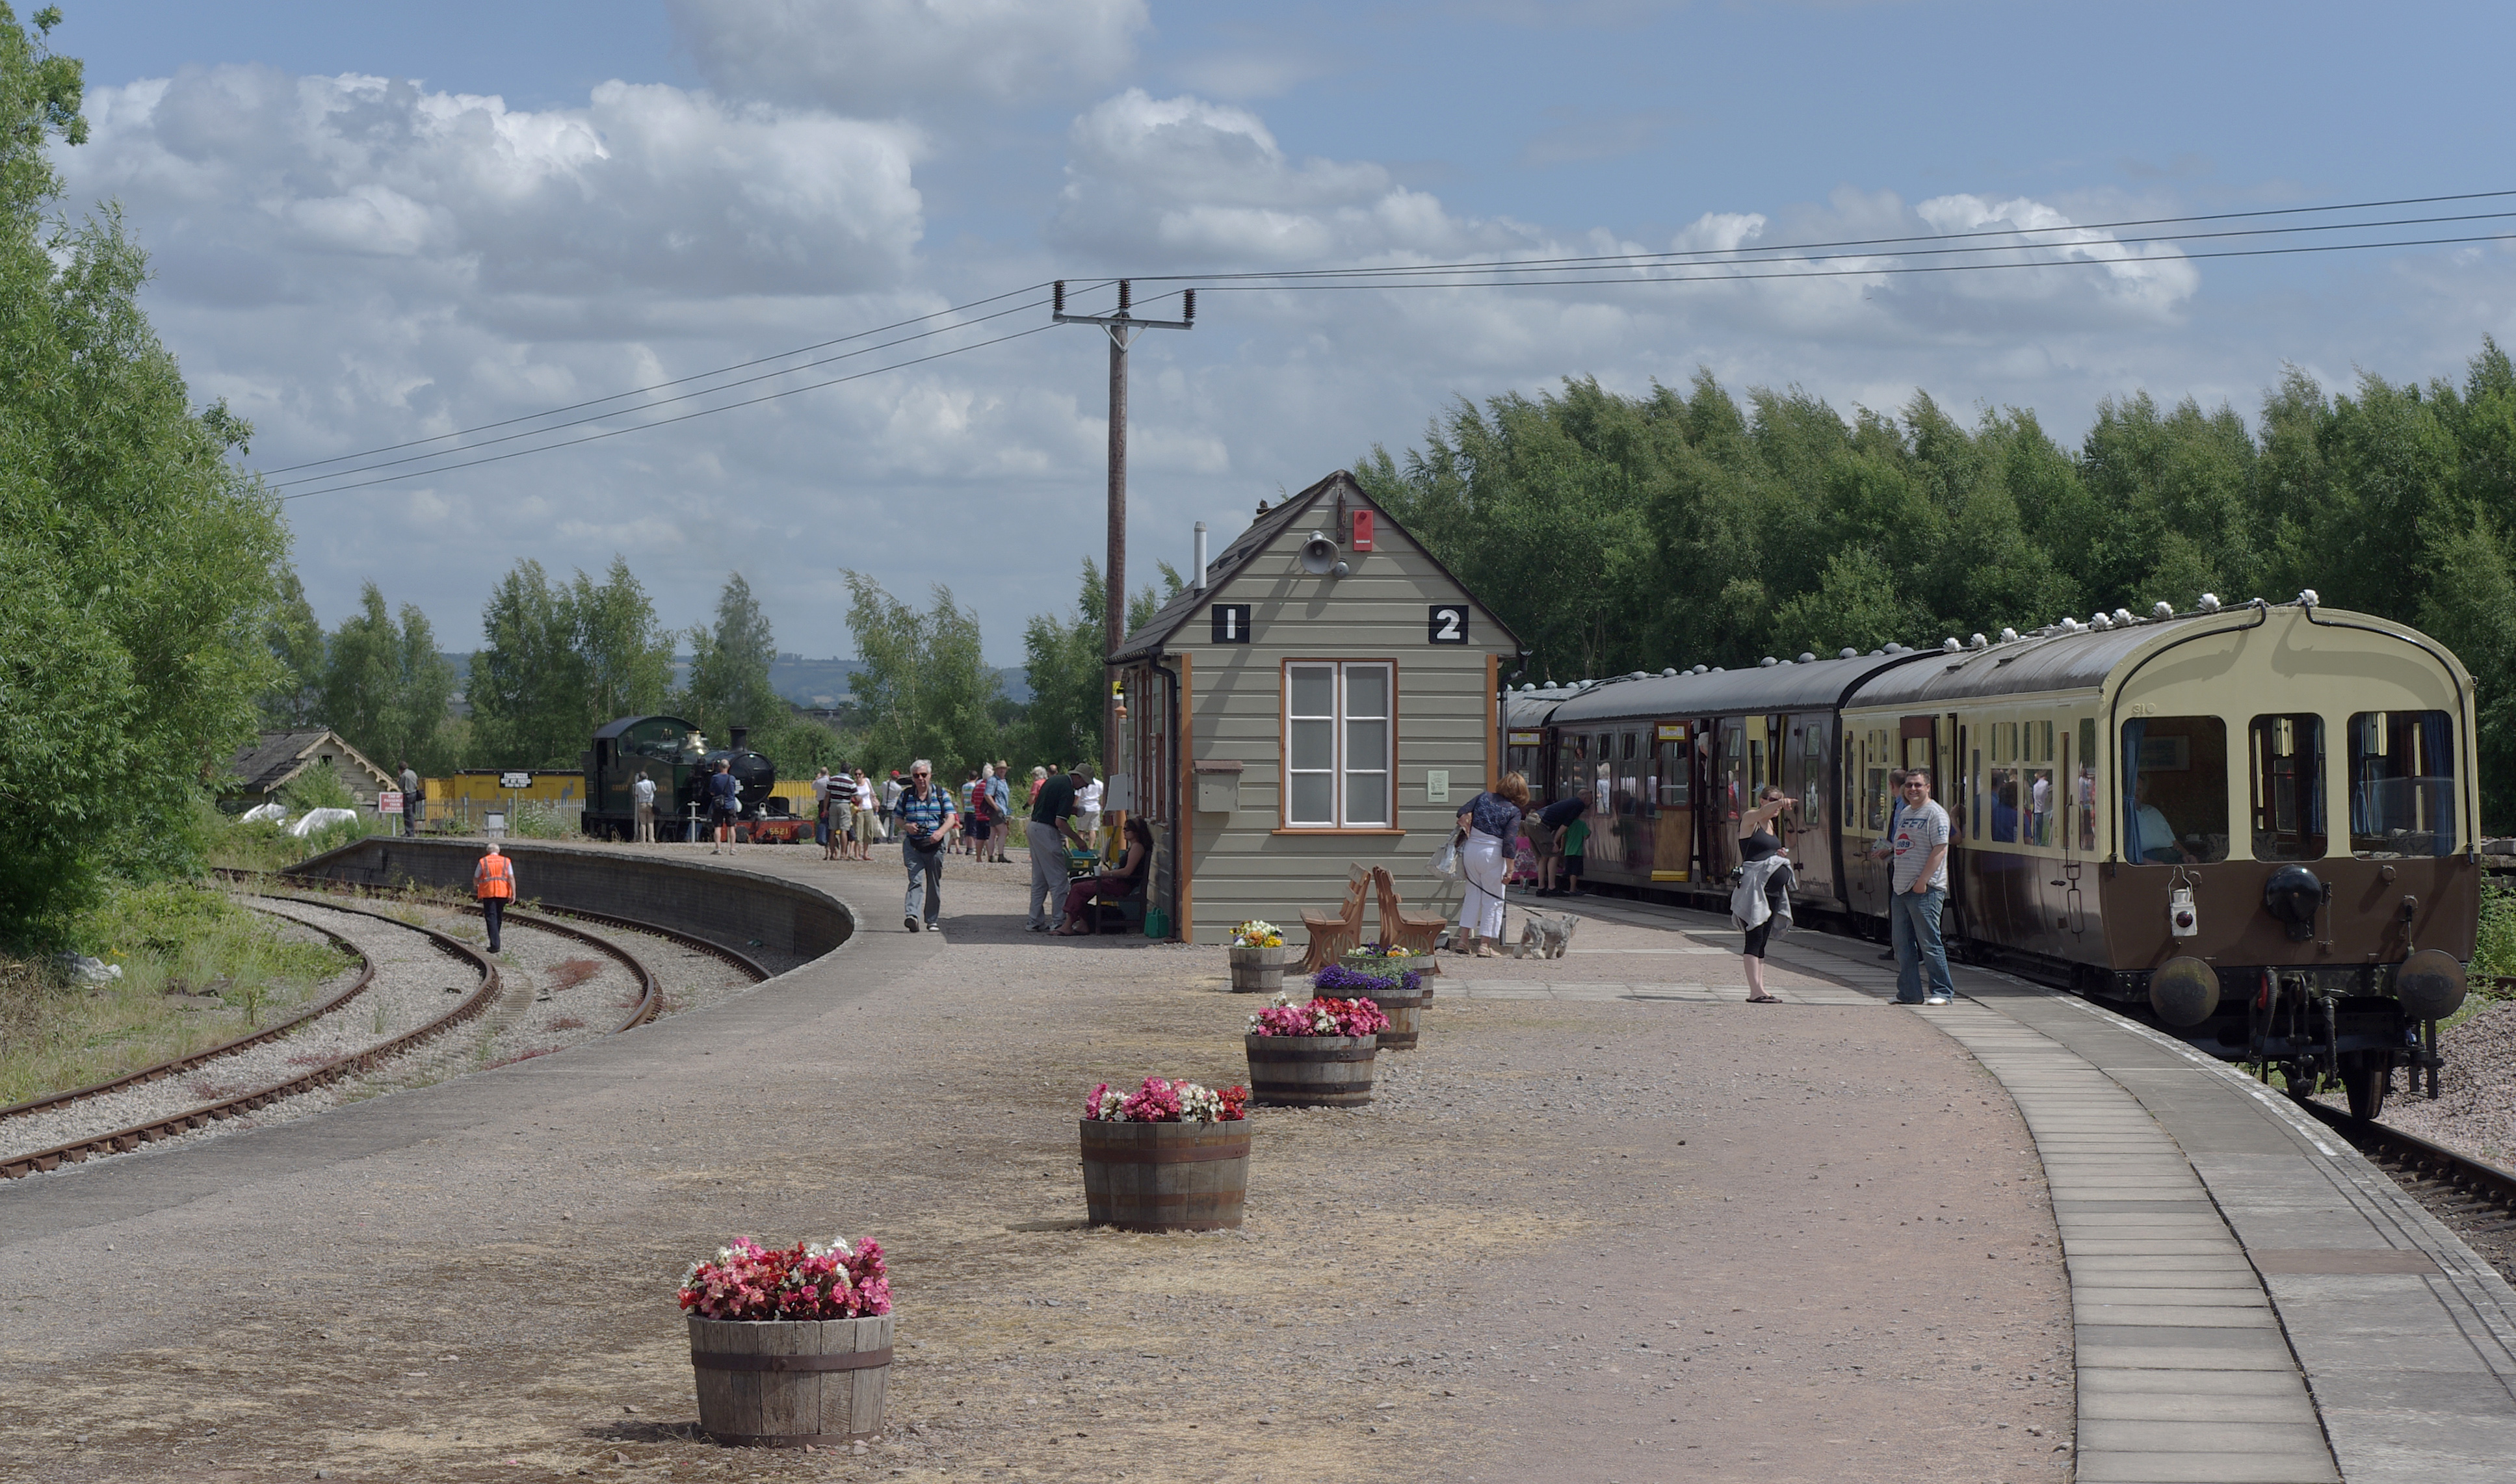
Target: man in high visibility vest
[{"x": 493, "y": 882}]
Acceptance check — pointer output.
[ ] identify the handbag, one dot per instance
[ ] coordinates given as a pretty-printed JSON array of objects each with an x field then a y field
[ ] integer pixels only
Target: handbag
[{"x": 1446, "y": 859}]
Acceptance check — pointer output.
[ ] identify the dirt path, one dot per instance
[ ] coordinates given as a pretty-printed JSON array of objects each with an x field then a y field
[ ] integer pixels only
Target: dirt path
[{"x": 1589, "y": 1239}]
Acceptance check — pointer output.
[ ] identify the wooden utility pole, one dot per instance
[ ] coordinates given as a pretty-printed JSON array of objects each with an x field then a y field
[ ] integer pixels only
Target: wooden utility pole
[{"x": 1122, "y": 327}]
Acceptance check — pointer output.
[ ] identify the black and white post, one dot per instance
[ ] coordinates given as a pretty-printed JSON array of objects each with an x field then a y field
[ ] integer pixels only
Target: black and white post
[{"x": 1122, "y": 327}]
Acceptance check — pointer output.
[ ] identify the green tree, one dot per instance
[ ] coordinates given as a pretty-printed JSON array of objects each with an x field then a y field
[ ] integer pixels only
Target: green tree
[
  {"x": 529, "y": 685},
  {"x": 924, "y": 687},
  {"x": 386, "y": 687},
  {"x": 625, "y": 651},
  {"x": 296, "y": 640},
  {"x": 137, "y": 562},
  {"x": 728, "y": 685},
  {"x": 1062, "y": 664}
]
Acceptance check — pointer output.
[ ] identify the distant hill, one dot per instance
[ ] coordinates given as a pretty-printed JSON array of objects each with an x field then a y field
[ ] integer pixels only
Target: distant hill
[{"x": 806, "y": 682}]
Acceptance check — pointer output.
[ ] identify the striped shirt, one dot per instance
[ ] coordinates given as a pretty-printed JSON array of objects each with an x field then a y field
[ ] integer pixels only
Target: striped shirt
[{"x": 925, "y": 817}]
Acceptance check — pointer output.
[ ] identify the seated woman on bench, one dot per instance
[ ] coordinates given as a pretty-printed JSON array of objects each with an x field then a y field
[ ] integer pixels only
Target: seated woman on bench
[{"x": 1109, "y": 886}]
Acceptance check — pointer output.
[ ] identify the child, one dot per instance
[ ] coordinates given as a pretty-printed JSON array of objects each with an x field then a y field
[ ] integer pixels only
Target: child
[{"x": 1576, "y": 843}]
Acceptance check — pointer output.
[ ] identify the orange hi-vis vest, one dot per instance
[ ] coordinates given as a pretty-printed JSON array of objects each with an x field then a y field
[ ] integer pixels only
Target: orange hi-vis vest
[{"x": 495, "y": 876}]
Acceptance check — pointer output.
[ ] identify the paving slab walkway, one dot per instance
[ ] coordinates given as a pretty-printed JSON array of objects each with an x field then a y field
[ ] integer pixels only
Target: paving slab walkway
[{"x": 2254, "y": 1303}]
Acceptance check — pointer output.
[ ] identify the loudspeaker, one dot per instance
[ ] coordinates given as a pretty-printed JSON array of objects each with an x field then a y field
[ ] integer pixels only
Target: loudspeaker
[{"x": 1319, "y": 556}]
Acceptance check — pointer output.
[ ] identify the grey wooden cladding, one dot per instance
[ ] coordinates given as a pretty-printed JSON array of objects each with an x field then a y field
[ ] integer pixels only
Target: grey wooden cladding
[
  {"x": 1309, "y": 1071},
  {"x": 784, "y": 1382},
  {"x": 1258, "y": 970},
  {"x": 1404, "y": 1009},
  {"x": 1178, "y": 1177}
]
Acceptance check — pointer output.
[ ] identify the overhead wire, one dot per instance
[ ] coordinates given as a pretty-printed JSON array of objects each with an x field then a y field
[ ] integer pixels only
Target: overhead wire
[{"x": 1675, "y": 265}]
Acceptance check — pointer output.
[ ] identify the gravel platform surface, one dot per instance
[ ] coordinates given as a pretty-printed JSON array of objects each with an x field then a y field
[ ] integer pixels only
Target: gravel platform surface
[{"x": 1575, "y": 1239}]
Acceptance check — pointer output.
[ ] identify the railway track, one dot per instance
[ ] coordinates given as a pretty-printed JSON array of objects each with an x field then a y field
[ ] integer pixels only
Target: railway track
[
  {"x": 2474, "y": 1198},
  {"x": 220, "y": 1109},
  {"x": 647, "y": 1004}
]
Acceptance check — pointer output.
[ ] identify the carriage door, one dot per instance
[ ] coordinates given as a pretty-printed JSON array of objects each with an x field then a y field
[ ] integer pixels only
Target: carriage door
[
  {"x": 1919, "y": 748},
  {"x": 1807, "y": 769},
  {"x": 1673, "y": 832}
]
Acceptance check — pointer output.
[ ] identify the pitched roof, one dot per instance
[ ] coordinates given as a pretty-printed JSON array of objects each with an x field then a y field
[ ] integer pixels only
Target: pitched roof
[
  {"x": 1262, "y": 533},
  {"x": 276, "y": 757}
]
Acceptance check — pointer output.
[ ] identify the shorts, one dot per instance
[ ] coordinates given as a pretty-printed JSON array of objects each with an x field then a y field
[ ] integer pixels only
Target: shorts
[
  {"x": 1544, "y": 840},
  {"x": 1572, "y": 864},
  {"x": 1757, "y": 937},
  {"x": 980, "y": 829}
]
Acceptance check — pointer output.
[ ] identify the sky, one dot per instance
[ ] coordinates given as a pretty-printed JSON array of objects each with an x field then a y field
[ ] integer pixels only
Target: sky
[{"x": 376, "y": 224}]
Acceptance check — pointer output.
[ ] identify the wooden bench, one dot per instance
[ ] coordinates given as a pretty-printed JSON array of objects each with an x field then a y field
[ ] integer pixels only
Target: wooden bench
[{"x": 1332, "y": 937}]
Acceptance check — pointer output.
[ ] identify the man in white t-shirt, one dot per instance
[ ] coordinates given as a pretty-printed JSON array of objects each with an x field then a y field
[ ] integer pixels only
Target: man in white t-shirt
[
  {"x": 643, "y": 792},
  {"x": 1087, "y": 807},
  {"x": 1919, "y": 878}
]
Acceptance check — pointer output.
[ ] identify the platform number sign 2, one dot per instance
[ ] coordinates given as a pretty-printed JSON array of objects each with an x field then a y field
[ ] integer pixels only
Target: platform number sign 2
[
  {"x": 1232, "y": 623},
  {"x": 1449, "y": 624}
]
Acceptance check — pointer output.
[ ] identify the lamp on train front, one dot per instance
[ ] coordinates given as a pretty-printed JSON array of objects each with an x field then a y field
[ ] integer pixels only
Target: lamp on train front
[{"x": 2292, "y": 896}]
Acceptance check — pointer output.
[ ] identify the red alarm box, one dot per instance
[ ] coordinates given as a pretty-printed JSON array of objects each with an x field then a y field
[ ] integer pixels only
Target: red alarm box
[{"x": 1363, "y": 530}]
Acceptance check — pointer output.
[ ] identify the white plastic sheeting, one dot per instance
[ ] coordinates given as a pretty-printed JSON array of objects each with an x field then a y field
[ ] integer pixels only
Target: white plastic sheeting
[
  {"x": 273, "y": 812},
  {"x": 316, "y": 819}
]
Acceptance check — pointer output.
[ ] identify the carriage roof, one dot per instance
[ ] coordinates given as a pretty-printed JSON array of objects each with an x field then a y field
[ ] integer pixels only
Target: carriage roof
[{"x": 1784, "y": 685}]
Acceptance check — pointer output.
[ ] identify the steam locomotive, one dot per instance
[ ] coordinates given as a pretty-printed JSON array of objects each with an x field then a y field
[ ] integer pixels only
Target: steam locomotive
[
  {"x": 2254, "y": 826},
  {"x": 675, "y": 755}
]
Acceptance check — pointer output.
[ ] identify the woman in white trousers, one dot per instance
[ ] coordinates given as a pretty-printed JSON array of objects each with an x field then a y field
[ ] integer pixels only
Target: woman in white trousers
[{"x": 1486, "y": 824}]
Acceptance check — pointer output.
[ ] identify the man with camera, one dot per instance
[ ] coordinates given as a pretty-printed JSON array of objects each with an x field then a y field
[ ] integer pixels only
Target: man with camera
[{"x": 925, "y": 813}]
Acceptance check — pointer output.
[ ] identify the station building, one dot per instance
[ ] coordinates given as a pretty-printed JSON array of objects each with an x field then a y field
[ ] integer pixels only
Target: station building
[
  {"x": 1326, "y": 694},
  {"x": 270, "y": 762}
]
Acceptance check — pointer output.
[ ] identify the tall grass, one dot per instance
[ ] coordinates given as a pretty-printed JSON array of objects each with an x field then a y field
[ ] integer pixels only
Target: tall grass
[{"x": 2493, "y": 951}]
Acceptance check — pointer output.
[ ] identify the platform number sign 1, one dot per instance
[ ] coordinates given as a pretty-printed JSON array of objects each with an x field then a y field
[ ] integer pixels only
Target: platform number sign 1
[
  {"x": 1232, "y": 623},
  {"x": 1449, "y": 622}
]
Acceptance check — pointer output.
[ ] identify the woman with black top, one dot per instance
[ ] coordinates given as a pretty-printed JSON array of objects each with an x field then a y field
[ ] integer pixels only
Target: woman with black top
[
  {"x": 1109, "y": 886},
  {"x": 1764, "y": 881}
]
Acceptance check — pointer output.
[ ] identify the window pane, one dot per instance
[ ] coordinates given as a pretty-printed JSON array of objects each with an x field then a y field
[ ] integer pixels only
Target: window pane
[
  {"x": 1314, "y": 799},
  {"x": 1366, "y": 745},
  {"x": 2175, "y": 801},
  {"x": 1314, "y": 745},
  {"x": 2402, "y": 783},
  {"x": 2285, "y": 757},
  {"x": 2040, "y": 801},
  {"x": 1974, "y": 772},
  {"x": 1366, "y": 799},
  {"x": 2087, "y": 793},
  {"x": 1314, "y": 690},
  {"x": 2004, "y": 805},
  {"x": 1366, "y": 690}
]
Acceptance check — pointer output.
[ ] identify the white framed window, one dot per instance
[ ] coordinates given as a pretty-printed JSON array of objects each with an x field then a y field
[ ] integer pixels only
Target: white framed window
[{"x": 1340, "y": 735}]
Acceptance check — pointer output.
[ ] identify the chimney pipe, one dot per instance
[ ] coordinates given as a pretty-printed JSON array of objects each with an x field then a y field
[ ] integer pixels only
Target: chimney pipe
[
  {"x": 1198, "y": 581},
  {"x": 740, "y": 736}
]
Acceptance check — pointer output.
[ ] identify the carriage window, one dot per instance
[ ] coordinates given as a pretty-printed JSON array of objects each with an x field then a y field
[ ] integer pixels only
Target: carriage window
[
  {"x": 1873, "y": 783},
  {"x": 2086, "y": 796},
  {"x": 1813, "y": 774},
  {"x": 1974, "y": 780},
  {"x": 1673, "y": 771},
  {"x": 2286, "y": 765},
  {"x": 2402, "y": 783},
  {"x": 2175, "y": 789},
  {"x": 1571, "y": 751},
  {"x": 2038, "y": 782}
]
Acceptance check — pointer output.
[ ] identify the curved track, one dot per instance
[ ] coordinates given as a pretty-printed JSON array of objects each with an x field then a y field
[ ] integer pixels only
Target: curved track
[
  {"x": 120, "y": 1140},
  {"x": 2475, "y": 1198}
]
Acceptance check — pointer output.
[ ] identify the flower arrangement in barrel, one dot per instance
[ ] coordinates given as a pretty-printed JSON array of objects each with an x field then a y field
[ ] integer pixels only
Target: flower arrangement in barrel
[
  {"x": 1320, "y": 1017},
  {"x": 805, "y": 1281},
  {"x": 1257, "y": 933},
  {"x": 1161, "y": 1100},
  {"x": 1345, "y": 983}
]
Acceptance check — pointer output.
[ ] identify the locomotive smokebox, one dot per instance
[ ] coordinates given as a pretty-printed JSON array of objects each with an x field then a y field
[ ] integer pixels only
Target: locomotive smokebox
[
  {"x": 2185, "y": 991},
  {"x": 2430, "y": 985}
]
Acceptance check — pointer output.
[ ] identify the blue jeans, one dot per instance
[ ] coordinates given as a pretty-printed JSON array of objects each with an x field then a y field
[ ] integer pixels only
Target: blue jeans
[
  {"x": 925, "y": 882},
  {"x": 1917, "y": 922}
]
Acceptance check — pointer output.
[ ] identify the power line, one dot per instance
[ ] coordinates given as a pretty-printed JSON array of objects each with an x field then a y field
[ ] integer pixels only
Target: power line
[
  {"x": 613, "y": 433},
  {"x": 976, "y": 304},
  {"x": 626, "y": 411},
  {"x": 1790, "y": 247}
]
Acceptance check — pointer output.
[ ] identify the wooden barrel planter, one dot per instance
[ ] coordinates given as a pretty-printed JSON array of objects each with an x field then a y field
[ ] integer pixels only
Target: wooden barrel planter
[
  {"x": 1259, "y": 970},
  {"x": 785, "y": 1383},
  {"x": 1404, "y": 1008},
  {"x": 1310, "y": 1071},
  {"x": 1166, "y": 1177}
]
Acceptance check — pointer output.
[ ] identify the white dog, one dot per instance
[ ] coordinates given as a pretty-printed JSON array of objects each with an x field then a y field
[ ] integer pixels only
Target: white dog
[{"x": 1548, "y": 935}]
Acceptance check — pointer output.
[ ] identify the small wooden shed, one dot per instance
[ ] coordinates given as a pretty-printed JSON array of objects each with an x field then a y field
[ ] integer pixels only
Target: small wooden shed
[
  {"x": 262, "y": 768},
  {"x": 1328, "y": 694}
]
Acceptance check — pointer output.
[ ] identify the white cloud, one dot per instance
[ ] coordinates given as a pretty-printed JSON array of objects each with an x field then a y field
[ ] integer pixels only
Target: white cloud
[{"x": 909, "y": 57}]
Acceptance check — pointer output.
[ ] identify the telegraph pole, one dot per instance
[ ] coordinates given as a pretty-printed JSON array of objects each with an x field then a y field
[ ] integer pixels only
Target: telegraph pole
[{"x": 1122, "y": 327}]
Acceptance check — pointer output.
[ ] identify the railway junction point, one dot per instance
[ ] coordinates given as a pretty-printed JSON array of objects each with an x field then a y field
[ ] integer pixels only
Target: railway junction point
[{"x": 1508, "y": 1265}]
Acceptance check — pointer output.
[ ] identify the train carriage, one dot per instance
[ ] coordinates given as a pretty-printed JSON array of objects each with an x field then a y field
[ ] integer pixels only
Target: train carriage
[{"x": 2256, "y": 826}]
